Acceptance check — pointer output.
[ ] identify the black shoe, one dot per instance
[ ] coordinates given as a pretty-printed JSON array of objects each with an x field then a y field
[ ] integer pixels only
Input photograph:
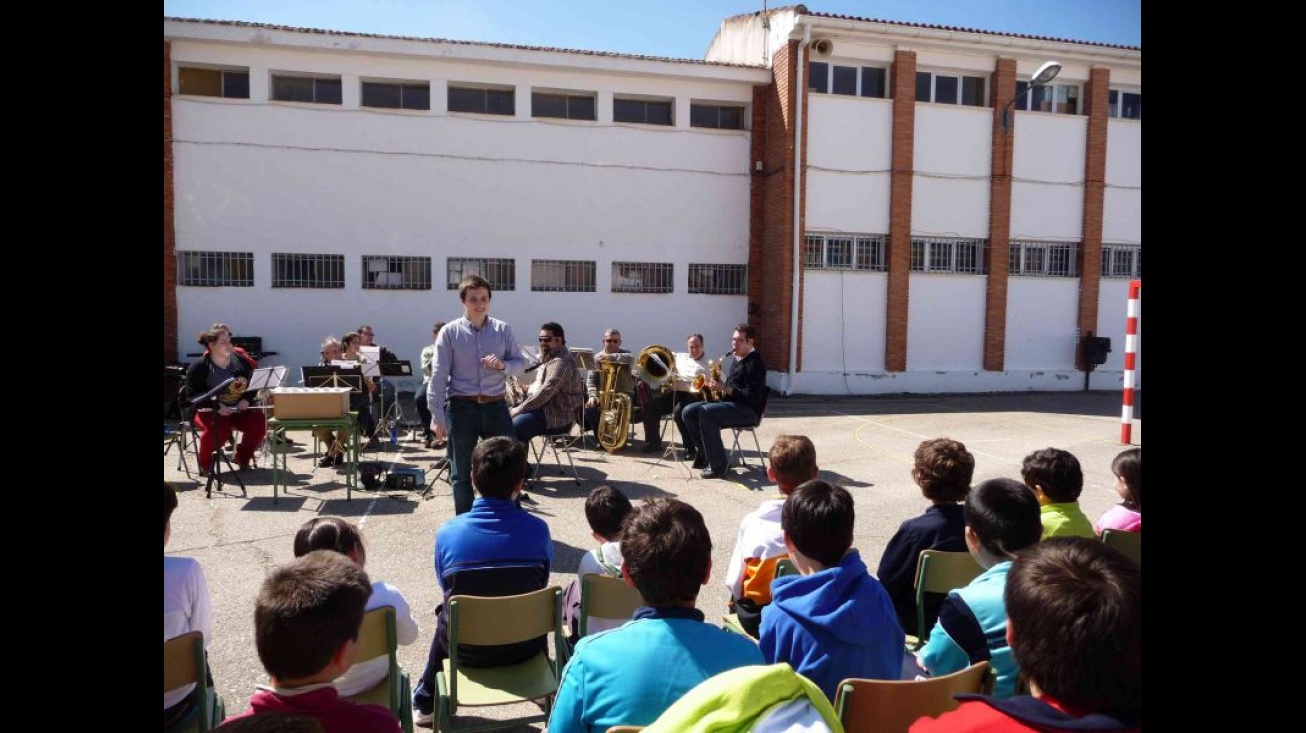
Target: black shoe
[
  {"x": 651, "y": 448},
  {"x": 525, "y": 498},
  {"x": 328, "y": 461},
  {"x": 372, "y": 444},
  {"x": 699, "y": 462},
  {"x": 710, "y": 472}
]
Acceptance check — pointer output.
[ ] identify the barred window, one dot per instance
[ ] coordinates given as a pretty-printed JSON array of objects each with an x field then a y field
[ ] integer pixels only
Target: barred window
[
  {"x": 718, "y": 279},
  {"x": 229, "y": 83},
  {"x": 845, "y": 252},
  {"x": 317, "y": 90},
  {"x": 1047, "y": 259},
  {"x": 642, "y": 277},
  {"x": 500, "y": 273},
  {"x": 570, "y": 276},
  {"x": 307, "y": 271},
  {"x": 396, "y": 273},
  {"x": 1119, "y": 260},
  {"x": 216, "y": 269},
  {"x": 945, "y": 254}
]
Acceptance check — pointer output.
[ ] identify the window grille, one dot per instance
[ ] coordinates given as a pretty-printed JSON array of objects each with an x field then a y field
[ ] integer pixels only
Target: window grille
[
  {"x": 845, "y": 252},
  {"x": 1047, "y": 259},
  {"x": 215, "y": 269},
  {"x": 943, "y": 254},
  {"x": 1122, "y": 261},
  {"x": 642, "y": 277},
  {"x": 500, "y": 273},
  {"x": 707, "y": 279},
  {"x": 396, "y": 273},
  {"x": 569, "y": 276},
  {"x": 307, "y": 271}
]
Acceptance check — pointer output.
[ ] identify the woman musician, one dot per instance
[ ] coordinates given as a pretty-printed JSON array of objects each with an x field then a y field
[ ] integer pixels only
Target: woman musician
[
  {"x": 361, "y": 403},
  {"x": 227, "y": 409}
]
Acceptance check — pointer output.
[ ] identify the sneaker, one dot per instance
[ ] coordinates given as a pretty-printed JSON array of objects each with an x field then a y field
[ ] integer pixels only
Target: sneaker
[
  {"x": 326, "y": 462},
  {"x": 525, "y": 498},
  {"x": 424, "y": 720},
  {"x": 651, "y": 448}
]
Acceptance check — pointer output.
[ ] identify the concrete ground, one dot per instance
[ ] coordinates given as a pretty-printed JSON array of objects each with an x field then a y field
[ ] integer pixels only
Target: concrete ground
[{"x": 865, "y": 443}]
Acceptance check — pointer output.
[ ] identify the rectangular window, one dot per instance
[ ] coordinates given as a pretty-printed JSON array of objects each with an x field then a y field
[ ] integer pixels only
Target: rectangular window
[
  {"x": 642, "y": 277},
  {"x": 819, "y": 80},
  {"x": 1045, "y": 259},
  {"x": 311, "y": 89},
  {"x": 307, "y": 271},
  {"x": 216, "y": 269},
  {"x": 845, "y": 252},
  {"x": 500, "y": 273},
  {"x": 873, "y": 82},
  {"x": 950, "y": 89},
  {"x": 228, "y": 83},
  {"x": 716, "y": 117},
  {"x": 844, "y": 81},
  {"x": 1121, "y": 260},
  {"x": 567, "y": 276},
  {"x": 1059, "y": 98},
  {"x": 641, "y": 111},
  {"x": 563, "y": 106},
  {"x": 482, "y": 100},
  {"x": 396, "y": 95},
  {"x": 718, "y": 279},
  {"x": 850, "y": 81},
  {"x": 947, "y": 254},
  {"x": 396, "y": 273},
  {"x": 1127, "y": 105}
]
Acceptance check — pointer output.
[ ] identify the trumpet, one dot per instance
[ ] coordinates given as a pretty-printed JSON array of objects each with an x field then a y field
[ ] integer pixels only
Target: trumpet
[{"x": 714, "y": 375}]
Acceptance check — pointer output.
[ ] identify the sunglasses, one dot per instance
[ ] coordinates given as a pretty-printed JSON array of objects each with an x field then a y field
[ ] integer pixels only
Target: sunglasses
[
  {"x": 545, "y": 339},
  {"x": 611, "y": 341}
]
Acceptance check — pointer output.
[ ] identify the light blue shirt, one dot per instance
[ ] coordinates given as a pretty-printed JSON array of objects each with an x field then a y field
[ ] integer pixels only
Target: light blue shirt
[{"x": 458, "y": 370}]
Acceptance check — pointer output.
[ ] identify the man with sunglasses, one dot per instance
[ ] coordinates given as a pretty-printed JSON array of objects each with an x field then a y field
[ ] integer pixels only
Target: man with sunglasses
[
  {"x": 551, "y": 403},
  {"x": 612, "y": 351}
]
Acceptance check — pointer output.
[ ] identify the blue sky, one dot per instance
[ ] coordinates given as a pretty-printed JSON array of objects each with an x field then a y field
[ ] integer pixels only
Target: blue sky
[{"x": 675, "y": 28}]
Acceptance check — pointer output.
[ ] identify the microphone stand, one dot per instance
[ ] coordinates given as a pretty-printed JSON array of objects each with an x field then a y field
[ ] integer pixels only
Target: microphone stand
[{"x": 219, "y": 457}]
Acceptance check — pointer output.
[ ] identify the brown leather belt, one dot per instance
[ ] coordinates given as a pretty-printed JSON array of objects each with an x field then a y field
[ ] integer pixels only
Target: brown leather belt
[{"x": 480, "y": 399}]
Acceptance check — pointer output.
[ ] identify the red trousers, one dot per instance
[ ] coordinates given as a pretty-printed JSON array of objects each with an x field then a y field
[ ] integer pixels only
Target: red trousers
[{"x": 215, "y": 430}]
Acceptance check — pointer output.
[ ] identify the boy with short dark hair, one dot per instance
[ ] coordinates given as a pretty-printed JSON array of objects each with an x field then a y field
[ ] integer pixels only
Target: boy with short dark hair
[
  {"x": 760, "y": 543},
  {"x": 630, "y": 675},
  {"x": 494, "y": 549},
  {"x": 306, "y": 623},
  {"x": 1002, "y": 518},
  {"x": 605, "y": 509},
  {"x": 834, "y": 621},
  {"x": 1056, "y": 479},
  {"x": 1076, "y": 600}
]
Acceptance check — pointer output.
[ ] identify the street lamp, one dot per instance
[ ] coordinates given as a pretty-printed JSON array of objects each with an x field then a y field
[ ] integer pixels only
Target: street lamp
[{"x": 1046, "y": 73}]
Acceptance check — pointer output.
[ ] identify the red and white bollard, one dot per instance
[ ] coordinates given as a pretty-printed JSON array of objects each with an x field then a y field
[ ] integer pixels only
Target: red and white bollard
[{"x": 1131, "y": 351}]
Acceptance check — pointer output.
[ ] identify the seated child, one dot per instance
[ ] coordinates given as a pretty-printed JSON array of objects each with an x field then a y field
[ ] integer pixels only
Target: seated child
[
  {"x": 943, "y": 471},
  {"x": 1067, "y": 599},
  {"x": 605, "y": 508},
  {"x": 186, "y": 608},
  {"x": 1002, "y": 518},
  {"x": 306, "y": 622},
  {"x": 760, "y": 543},
  {"x": 835, "y": 620},
  {"x": 494, "y": 549},
  {"x": 630, "y": 675},
  {"x": 334, "y": 533},
  {"x": 1057, "y": 480},
  {"x": 1128, "y": 514}
]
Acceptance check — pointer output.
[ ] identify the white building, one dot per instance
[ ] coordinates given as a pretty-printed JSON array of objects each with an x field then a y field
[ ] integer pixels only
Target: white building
[{"x": 318, "y": 180}]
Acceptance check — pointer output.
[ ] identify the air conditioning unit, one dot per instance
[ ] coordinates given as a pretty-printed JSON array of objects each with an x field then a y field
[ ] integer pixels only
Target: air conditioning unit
[{"x": 823, "y": 46}]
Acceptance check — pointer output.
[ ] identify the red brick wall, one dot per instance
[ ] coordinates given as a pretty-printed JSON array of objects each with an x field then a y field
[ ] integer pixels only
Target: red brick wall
[
  {"x": 770, "y": 260},
  {"x": 1090, "y": 260},
  {"x": 169, "y": 232},
  {"x": 902, "y": 85},
  {"x": 1003, "y": 84}
]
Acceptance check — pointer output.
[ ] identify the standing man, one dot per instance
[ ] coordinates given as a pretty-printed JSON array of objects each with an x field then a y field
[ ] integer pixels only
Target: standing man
[
  {"x": 473, "y": 357},
  {"x": 740, "y": 406}
]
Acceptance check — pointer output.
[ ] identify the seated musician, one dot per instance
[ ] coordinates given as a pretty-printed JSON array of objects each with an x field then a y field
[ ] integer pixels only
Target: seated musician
[
  {"x": 236, "y": 349},
  {"x": 625, "y": 380},
  {"x": 361, "y": 403},
  {"x": 689, "y": 365},
  {"x": 550, "y": 404},
  {"x": 229, "y": 408},
  {"x": 740, "y": 405},
  {"x": 334, "y": 453},
  {"x": 368, "y": 336}
]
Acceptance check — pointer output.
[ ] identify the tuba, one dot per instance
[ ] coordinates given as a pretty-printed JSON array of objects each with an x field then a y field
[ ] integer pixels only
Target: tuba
[
  {"x": 614, "y": 406},
  {"x": 657, "y": 367}
]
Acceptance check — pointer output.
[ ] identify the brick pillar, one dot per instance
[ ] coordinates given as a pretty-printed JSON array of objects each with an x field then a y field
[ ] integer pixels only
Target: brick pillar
[
  {"x": 770, "y": 259},
  {"x": 997, "y": 260},
  {"x": 169, "y": 230},
  {"x": 1090, "y": 251},
  {"x": 902, "y": 86}
]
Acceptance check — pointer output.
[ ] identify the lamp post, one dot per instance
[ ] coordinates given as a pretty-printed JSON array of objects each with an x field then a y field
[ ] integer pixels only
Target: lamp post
[{"x": 1046, "y": 73}]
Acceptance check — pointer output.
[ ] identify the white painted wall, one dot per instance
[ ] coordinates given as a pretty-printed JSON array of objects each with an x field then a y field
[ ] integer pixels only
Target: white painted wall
[
  {"x": 1123, "y": 204},
  {"x": 261, "y": 176},
  {"x": 844, "y": 327},
  {"x": 849, "y": 151},
  {"x": 1047, "y": 193},
  {"x": 1042, "y": 315},
  {"x": 950, "y": 191},
  {"x": 945, "y": 322}
]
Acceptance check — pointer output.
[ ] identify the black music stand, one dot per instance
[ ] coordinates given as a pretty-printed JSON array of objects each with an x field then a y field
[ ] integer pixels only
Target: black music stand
[
  {"x": 219, "y": 456},
  {"x": 333, "y": 376}
]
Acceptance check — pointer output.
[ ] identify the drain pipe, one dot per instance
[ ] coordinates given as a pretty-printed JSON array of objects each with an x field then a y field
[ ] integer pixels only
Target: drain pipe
[{"x": 800, "y": 92}]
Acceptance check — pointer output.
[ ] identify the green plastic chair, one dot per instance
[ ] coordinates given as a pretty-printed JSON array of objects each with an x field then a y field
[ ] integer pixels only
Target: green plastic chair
[
  {"x": 376, "y": 638},
  {"x": 1130, "y": 543},
  {"x": 606, "y": 597},
  {"x": 184, "y": 663},
  {"x": 494, "y": 621},
  {"x": 938, "y": 571}
]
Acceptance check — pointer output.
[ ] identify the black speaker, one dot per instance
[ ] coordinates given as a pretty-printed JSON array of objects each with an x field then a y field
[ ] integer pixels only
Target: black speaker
[{"x": 1095, "y": 349}]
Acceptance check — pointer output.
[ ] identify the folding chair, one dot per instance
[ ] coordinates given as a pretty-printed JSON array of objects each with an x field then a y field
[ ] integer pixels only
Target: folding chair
[
  {"x": 891, "y": 706},
  {"x": 184, "y": 663},
  {"x": 736, "y": 452},
  {"x": 730, "y": 622},
  {"x": 938, "y": 571},
  {"x": 1130, "y": 543},
  {"x": 493, "y": 622},
  {"x": 567, "y": 438},
  {"x": 377, "y": 638}
]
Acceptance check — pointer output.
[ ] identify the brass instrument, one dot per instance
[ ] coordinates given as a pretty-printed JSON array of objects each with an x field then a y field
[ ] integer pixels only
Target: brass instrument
[
  {"x": 614, "y": 405},
  {"x": 657, "y": 367},
  {"x": 513, "y": 391},
  {"x": 713, "y": 375}
]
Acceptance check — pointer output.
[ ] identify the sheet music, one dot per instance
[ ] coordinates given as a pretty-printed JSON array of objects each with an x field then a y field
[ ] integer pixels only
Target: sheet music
[
  {"x": 371, "y": 369},
  {"x": 370, "y": 353},
  {"x": 267, "y": 377},
  {"x": 343, "y": 363}
]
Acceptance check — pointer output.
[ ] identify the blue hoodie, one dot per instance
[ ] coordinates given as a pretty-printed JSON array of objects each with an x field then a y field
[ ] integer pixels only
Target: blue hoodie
[{"x": 833, "y": 625}]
